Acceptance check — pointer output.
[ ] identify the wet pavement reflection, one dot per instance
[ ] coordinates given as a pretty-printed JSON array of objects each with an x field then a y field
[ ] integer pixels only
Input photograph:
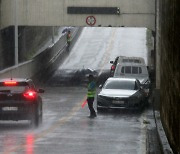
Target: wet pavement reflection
[
  {"x": 15, "y": 136},
  {"x": 67, "y": 128}
]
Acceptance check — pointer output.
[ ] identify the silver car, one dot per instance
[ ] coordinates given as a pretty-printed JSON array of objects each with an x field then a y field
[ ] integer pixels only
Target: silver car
[{"x": 121, "y": 93}]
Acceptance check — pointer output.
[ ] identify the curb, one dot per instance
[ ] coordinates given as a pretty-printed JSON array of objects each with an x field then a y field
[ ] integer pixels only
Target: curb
[
  {"x": 152, "y": 141},
  {"x": 166, "y": 149}
]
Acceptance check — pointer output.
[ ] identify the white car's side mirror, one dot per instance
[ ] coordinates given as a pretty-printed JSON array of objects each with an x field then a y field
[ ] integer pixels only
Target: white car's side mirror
[{"x": 100, "y": 86}]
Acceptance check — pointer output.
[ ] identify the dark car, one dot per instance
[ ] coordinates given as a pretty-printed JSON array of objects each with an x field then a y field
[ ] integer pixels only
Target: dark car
[
  {"x": 19, "y": 100},
  {"x": 121, "y": 93}
]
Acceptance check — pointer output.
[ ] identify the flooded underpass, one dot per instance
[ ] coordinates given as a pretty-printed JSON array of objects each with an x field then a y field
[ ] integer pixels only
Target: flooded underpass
[{"x": 66, "y": 126}]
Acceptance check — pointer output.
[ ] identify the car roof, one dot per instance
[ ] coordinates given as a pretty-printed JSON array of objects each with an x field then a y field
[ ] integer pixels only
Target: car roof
[
  {"x": 124, "y": 57},
  {"x": 132, "y": 64},
  {"x": 122, "y": 79},
  {"x": 15, "y": 79},
  {"x": 137, "y": 60}
]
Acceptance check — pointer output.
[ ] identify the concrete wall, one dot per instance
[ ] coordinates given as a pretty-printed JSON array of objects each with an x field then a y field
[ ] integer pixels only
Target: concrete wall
[
  {"x": 7, "y": 17},
  {"x": 158, "y": 45},
  {"x": 30, "y": 40},
  {"x": 46, "y": 61},
  {"x": 134, "y": 13},
  {"x": 6, "y": 47},
  {"x": 170, "y": 70}
]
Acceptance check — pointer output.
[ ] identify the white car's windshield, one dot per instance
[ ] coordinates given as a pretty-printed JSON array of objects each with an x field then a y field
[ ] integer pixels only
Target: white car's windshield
[{"x": 118, "y": 84}]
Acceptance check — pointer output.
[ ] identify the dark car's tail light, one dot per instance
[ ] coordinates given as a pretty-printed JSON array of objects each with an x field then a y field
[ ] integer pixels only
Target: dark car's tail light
[
  {"x": 112, "y": 67},
  {"x": 30, "y": 95},
  {"x": 10, "y": 83}
]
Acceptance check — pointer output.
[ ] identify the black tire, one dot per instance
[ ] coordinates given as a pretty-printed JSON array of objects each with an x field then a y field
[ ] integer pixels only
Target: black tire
[
  {"x": 36, "y": 118},
  {"x": 41, "y": 114}
]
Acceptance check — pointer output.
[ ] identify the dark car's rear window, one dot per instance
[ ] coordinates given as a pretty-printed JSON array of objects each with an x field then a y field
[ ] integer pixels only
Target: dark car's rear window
[
  {"x": 13, "y": 88},
  {"x": 20, "y": 87}
]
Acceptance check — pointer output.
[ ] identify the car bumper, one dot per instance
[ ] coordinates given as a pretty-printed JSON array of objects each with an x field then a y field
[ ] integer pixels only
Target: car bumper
[
  {"x": 16, "y": 111},
  {"x": 121, "y": 103}
]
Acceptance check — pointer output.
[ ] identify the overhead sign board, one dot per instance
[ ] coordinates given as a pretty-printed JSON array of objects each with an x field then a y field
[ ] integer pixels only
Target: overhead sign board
[{"x": 94, "y": 10}]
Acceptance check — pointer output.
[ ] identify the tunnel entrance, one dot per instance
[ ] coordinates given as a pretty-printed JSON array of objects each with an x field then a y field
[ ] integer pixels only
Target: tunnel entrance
[{"x": 93, "y": 50}]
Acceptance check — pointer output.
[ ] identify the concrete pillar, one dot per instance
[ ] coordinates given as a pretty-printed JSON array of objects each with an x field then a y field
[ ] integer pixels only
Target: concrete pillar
[
  {"x": 158, "y": 50},
  {"x": 156, "y": 92}
]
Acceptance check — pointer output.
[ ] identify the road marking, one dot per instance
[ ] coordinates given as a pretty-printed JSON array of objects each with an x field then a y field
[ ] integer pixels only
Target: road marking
[{"x": 59, "y": 123}]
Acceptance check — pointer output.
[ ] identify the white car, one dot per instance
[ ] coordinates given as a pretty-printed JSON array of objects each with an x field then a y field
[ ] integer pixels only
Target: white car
[{"x": 121, "y": 93}]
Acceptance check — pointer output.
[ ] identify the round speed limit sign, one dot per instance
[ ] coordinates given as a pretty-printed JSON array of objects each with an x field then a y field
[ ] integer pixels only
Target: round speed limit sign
[{"x": 91, "y": 20}]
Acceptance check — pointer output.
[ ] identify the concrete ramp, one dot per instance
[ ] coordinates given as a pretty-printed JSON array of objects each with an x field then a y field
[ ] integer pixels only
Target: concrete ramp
[{"x": 97, "y": 46}]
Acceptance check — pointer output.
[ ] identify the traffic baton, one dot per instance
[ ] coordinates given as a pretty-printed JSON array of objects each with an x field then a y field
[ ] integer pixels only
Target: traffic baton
[{"x": 84, "y": 103}]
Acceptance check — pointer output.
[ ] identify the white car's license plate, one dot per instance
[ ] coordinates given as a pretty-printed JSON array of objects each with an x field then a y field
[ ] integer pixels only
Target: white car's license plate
[
  {"x": 10, "y": 108},
  {"x": 118, "y": 102}
]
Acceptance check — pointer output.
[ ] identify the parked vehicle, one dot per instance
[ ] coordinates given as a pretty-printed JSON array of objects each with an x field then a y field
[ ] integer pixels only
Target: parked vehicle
[
  {"x": 132, "y": 70},
  {"x": 121, "y": 93},
  {"x": 19, "y": 100},
  {"x": 124, "y": 59}
]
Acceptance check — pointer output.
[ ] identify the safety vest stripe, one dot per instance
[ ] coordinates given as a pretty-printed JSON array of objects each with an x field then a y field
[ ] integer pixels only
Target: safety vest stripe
[{"x": 91, "y": 93}]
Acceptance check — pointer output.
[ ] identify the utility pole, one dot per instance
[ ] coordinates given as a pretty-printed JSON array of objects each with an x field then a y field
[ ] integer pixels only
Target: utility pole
[{"x": 16, "y": 31}]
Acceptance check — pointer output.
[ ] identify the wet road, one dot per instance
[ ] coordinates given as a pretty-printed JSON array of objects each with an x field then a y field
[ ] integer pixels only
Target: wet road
[{"x": 66, "y": 128}]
